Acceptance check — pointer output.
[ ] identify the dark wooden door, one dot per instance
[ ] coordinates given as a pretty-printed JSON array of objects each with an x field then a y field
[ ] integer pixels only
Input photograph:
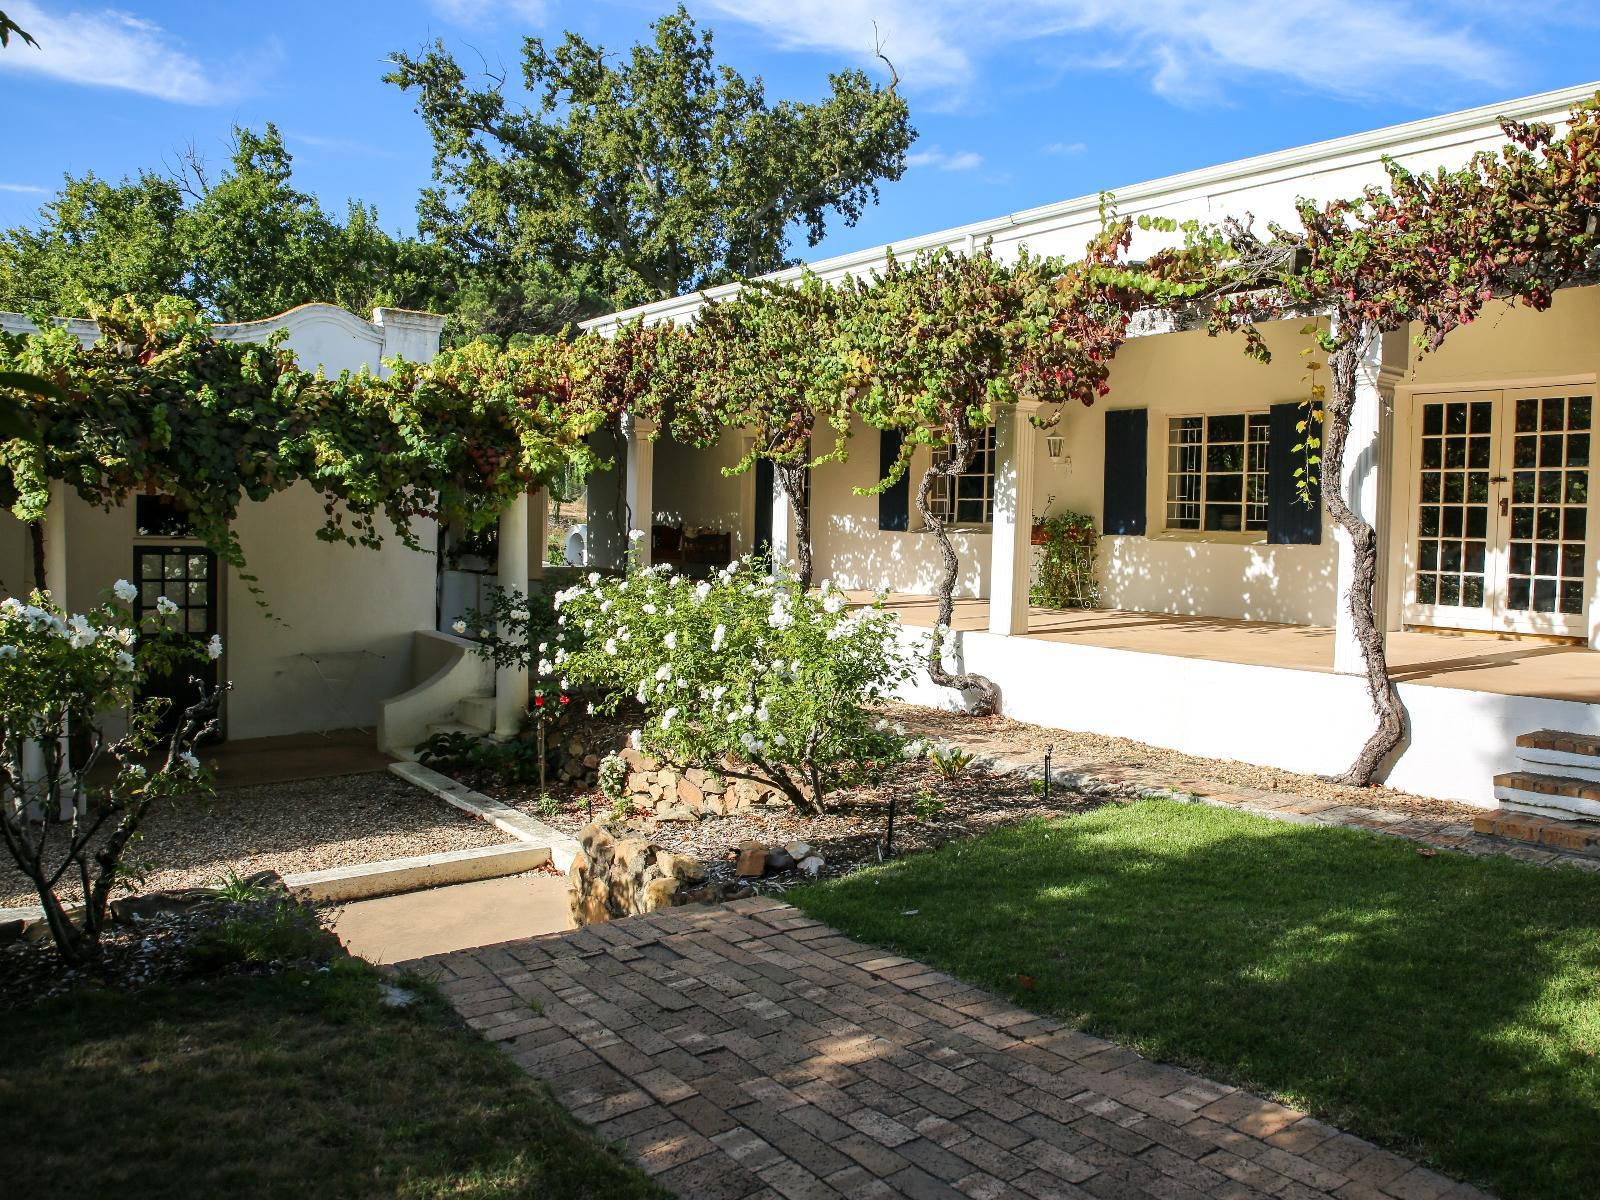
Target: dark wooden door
[{"x": 187, "y": 576}]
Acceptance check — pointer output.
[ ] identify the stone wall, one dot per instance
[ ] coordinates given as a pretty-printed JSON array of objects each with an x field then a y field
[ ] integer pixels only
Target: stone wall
[
  {"x": 620, "y": 877},
  {"x": 692, "y": 794}
]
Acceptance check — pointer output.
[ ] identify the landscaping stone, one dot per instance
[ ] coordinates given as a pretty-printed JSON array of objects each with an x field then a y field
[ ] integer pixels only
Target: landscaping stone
[
  {"x": 811, "y": 864},
  {"x": 752, "y": 861},
  {"x": 620, "y": 877}
]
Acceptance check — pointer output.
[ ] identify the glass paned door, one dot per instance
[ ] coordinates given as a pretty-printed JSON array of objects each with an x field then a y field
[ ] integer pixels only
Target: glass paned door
[
  {"x": 187, "y": 576},
  {"x": 1501, "y": 518},
  {"x": 1452, "y": 580}
]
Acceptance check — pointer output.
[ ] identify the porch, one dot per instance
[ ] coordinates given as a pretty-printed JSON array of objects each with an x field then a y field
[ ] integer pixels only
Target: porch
[{"x": 1470, "y": 662}]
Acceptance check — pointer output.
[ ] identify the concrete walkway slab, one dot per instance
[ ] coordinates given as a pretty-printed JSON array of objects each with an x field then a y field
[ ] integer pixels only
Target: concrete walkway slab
[
  {"x": 460, "y": 916},
  {"x": 748, "y": 1051}
]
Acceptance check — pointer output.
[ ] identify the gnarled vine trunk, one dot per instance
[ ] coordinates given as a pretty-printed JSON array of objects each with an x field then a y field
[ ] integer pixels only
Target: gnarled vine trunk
[
  {"x": 1391, "y": 714},
  {"x": 960, "y": 457},
  {"x": 792, "y": 478}
]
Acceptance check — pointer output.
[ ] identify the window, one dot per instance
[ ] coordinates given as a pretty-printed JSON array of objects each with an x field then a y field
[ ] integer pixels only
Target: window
[
  {"x": 968, "y": 498},
  {"x": 159, "y": 516},
  {"x": 1217, "y": 473}
]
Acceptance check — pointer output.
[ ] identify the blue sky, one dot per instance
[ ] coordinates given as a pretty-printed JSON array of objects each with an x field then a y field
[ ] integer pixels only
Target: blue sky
[{"x": 1018, "y": 102}]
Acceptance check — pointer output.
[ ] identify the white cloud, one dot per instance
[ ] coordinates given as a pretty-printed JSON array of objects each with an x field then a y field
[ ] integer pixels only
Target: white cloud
[
  {"x": 113, "y": 49},
  {"x": 1187, "y": 49},
  {"x": 483, "y": 12},
  {"x": 1063, "y": 148},
  {"x": 29, "y": 188},
  {"x": 933, "y": 156}
]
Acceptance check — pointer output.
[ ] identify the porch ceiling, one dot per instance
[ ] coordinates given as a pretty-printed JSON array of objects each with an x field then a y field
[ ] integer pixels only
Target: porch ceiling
[{"x": 1471, "y": 662}]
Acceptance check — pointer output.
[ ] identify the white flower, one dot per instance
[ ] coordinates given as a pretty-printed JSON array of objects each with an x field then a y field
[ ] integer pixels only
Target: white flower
[
  {"x": 125, "y": 660},
  {"x": 650, "y": 609},
  {"x": 635, "y": 535},
  {"x": 484, "y": 633},
  {"x": 883, "y": 723},
  {"x": 543, "y": 646},
  {"x": 82, "y": 633},
  {"x": 666, "y": 719},
  {"x": 779, "y": 740},
  {"x": 611, "y": 645},
  {"x": 671, "y": 640},
  {"x": 7, "y": 652},
  {"x": 594, "y": 577},
  {"x": 719, "y": 691},
  {"x": 520, "y": 614},
  {"x": 590, "y": 709},
  {"x": 605, "y": 606},
  {"x": 701, "y": 591},
  {"x": 191, "y": 764},
  {"x": 545, "y": 666},
  {"x": 214, "y": 647},
  {"x": 124, "y": 591},
  {"x": 717, "y": 635},
  {"x": 832, "y": 603},
  {"x": 459, "y": 627},
  {"x": 636, "y": 739},
  {"x": 135, "y": 771},
  {"x": 126, "y": 636},
  {"x": 165, "y": 607}
]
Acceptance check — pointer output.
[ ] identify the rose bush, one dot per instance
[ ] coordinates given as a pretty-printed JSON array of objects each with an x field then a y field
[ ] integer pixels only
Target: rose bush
[
  {"x": 745, "y": 674},
  {"x": 60, "y": 674}
]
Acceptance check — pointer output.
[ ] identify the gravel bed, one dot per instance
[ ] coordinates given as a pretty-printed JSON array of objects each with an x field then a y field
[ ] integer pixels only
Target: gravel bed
[
  {"x": 306, "y": 825},
  {"x": 1090, "y": 752}
]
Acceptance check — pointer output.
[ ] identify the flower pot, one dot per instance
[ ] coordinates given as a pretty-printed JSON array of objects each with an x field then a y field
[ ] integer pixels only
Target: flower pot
[{"x": 1040, "y": 537}]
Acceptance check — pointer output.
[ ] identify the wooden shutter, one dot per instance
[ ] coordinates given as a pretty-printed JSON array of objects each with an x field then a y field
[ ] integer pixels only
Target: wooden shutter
[
  {"x": 894, "y": 504},
  {"x": 1291, "y": 521},
  {"x": 1127, "y": 452}
]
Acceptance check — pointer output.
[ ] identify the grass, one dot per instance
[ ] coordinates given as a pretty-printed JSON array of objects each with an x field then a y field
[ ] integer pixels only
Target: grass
[
  {"x": 1446, "y": 1006},
  {"x": 295, "y": 1085}
]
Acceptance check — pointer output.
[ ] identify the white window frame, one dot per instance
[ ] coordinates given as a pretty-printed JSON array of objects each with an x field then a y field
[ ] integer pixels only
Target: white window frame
[
  {"x": 942, "y": 498},
  {"x": 1177, "y": 508}
]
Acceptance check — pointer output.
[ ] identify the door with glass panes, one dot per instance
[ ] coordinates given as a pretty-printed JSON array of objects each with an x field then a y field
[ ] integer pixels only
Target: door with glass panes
[
  {"x": 187, "y": 577},
  {"x": 1500, "y": 518}
]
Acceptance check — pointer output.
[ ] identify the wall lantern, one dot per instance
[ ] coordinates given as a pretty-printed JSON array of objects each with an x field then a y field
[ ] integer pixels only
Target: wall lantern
[{"x": 1055, "y": 447}]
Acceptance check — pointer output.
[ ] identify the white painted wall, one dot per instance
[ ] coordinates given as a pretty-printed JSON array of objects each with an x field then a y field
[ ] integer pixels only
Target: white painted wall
[
  {"x": 691, "y": 490},
  {"x": 1308, "y": 721}
]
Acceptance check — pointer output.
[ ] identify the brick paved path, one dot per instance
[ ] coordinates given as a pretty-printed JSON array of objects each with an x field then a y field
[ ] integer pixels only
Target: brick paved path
[{"x": 750, "y": 1051}]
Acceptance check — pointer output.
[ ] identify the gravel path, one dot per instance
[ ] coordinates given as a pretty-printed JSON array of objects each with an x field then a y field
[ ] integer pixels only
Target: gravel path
[{"x": 308, "y": 825}]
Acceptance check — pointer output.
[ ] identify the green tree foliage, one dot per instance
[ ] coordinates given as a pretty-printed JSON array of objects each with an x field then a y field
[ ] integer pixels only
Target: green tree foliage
[
  {"x": 637, "y": 177},
  {"x": 244, "y": 246},
  {"x": 753, "y": 362}
]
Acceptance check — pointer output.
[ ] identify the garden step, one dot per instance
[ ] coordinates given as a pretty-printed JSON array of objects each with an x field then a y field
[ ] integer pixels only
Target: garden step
[
  {"x": 455, "y": 727},
  {"x": 476, "y": 712},
  {"x": 1577, "y": 754},
  {"x": 1556, "y": 833},
  {"x": 1550, "y": 795}
]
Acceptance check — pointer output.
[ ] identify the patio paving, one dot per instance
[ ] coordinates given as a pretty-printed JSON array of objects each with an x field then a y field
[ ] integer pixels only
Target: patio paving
[{"x": 750, "y": 1051}]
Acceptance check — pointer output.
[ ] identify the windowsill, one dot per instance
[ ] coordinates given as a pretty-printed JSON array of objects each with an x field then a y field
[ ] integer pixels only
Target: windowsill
[
  {"x": 1251, "y": 538},
  {"x": 985, "y": 529}
]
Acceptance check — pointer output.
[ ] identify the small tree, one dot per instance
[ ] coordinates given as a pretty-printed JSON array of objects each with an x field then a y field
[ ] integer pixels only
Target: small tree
[
  {"x": 761, "y": 361},
  {"x": 1429, "y": 252},
  {"x": 60, "y": 675}
]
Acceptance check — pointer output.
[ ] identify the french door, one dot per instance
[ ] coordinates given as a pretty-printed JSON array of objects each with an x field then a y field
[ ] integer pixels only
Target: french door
[
  {"x": 187, "y": 577},
  {"x": 1500, "y": 518}
]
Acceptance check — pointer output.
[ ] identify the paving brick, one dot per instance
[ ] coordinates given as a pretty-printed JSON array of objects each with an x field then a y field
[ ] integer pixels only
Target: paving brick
[{"x": 751, "y": 1053}]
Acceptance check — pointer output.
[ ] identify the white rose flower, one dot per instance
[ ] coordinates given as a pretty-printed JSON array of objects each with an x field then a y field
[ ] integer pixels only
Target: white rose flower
[
  {"x": 650, "y": 609},
  {"x": 833, "y": 603},
  {"x": 459, "y": 627},
  {"x": 125, "y": 660},
  {"x": 635, "y": 535},
  {"x": 717, "y": 636},
  {"x": 779, "y": 740},
  {"x": 124, "y": 591},
  {"x": 214, "y": 647},
  {"x": 594, "y": 577},
  {"x": 611, "y": 645},
  {"x": 666, "y": 719},
  {"x": 636, "y": 739},
  {"x": 165, "y": 607},
  {"x": 671, "y": 640},
  {"x": 7, "y": 651},
  {"x": 135, "y": 771},
  {"x": 191, "y": 764}
]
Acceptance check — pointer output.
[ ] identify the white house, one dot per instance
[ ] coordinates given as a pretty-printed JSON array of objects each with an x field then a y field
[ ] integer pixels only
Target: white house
[
  {"x": 338, "y": 630},
  {"x": 1223, "y": 632}
]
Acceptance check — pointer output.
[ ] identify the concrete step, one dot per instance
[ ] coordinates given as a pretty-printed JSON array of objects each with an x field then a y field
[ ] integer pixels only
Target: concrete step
[
  {"x": 454, "y": 727},
  {"x": 1576, "y": 754},
  {"x": 476, "y": 712},
  {"x": 1548, "y": 795}
]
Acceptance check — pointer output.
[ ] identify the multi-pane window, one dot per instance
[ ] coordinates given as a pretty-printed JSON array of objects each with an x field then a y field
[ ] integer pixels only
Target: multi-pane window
[
  {"x": 1549, "y": 504},
  {"x": 1453, "y": 518},
  {"x": 968, "y": 498},
  {"x": 1217, "y": 472}
]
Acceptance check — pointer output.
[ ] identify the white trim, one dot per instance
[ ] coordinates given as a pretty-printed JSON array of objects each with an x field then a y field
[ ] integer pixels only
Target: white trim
[{"x": 1430, "y": 134}]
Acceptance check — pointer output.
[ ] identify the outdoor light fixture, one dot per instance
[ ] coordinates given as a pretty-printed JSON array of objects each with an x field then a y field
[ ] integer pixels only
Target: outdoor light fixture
[{"x": 1055, "y": 447}]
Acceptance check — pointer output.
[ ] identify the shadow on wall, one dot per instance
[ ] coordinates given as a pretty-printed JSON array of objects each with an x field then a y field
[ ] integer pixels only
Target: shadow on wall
[
  {"x": 851, "y": 550},
  {"x": 1290, "y": 585}
]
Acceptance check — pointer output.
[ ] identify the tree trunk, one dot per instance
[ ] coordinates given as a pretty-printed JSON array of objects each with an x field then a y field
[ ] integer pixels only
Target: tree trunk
[
  {"x": 988, "y": 695},
  {"x": 1391, "y": 714},
  {"x": 36, "y": 538},
  {"x": 792, "y": 478}
]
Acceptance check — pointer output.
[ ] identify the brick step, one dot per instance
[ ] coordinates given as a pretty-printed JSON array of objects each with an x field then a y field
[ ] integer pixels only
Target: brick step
[
  {"x": 1576, "y": 755},
  {"x": 1562, "y": 796},
  {"x": 1580, "y": 836}
]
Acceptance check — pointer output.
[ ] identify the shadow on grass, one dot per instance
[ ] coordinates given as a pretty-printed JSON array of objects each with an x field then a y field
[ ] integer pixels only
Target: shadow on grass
[
  {"x": 1447, "y": 1006},
  {"x": 289, "y": 1086}
]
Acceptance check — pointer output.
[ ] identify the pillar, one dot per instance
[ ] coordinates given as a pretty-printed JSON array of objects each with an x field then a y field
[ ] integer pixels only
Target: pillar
[
  {"x": 606, "y": 531},
  {"x": 511, "y": 683},
  {"x": 782, "y": 553},
  {"x": 639, "y": 481},
  {"x": 1011, "y": 547},
  {"x": 1368, "y": 459},
  {"x": 538, "y": 534}
]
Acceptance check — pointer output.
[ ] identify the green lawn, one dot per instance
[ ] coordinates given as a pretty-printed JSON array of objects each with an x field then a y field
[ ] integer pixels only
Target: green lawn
[
  {"x": 1446, "y": 1006},
  {"x": 291, "y": 1086}
]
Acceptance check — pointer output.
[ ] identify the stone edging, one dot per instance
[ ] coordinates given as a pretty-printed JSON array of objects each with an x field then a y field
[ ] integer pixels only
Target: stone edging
[{"x": 502, "y": 816}]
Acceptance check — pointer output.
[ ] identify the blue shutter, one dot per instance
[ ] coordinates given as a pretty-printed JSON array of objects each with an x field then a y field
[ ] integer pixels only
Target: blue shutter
[
  {"x": 894, "y": 504},
  {"x": 1127, "y": 449},
  {"x": 1291, "y": 521}
]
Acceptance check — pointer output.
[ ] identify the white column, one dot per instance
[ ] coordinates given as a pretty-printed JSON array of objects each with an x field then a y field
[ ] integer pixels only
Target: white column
[
  {"x": 639, "y": 434},
  {"x": 413, "y": 336},
  {"x": 511, "y": 683},
  {"x": 1011, "y": 549},
  {"x": 538, "y": 533},
  {"x": 782, "y": 528},
  {"x": 1366, "y": 487}
]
